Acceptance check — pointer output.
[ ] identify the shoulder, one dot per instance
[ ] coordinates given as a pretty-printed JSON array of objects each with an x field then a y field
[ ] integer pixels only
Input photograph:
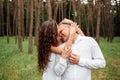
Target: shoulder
[{"x": 90, "y": 40}]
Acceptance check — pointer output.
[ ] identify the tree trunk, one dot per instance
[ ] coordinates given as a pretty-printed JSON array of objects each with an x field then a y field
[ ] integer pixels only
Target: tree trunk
[
  {"x": 70, "y": 10},
  {"x": 64, "y": 8},
  {"x": 59, "y": 12},
  {"x": 27, "y": 17},
  {"x": 49, "y": 10},
  {"x": 22, "y": 18},
  {"x": 31, "y": 28},
  {"x": 37, "y": 21},
  {"x": 15, "y": 20},
  {"x": 61, "y": 5},
  {"x": 79, "y": 12},
  {"x": 8, "y": 21},
  {"x": 19, "y": 26},
  {"x": 74, "y": 9},
  {"x": 55, "y": 11},
  {"x": 88, "y": 21},
  {"x": 42, "y": 11},
  {"x": 98, "y": 23},
  {"x": 1, "y": 18}
]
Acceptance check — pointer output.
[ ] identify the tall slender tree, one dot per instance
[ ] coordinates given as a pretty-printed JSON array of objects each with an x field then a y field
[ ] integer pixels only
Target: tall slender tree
[
  {"x": 8, "y": 20},
  {"x": 55, "y": 11},
  {"x": 19, "y": 24},
  {"x": 49, "y": 10},
  {"x": 15, "y": 14},
  {"x": 74, "y": 9},
  {"x": 31, "y": 28},
  {"x": 1, "y": 19},
  {"x": 98, "y": 22},
  {"x": 37, "y": 20},
  {"x": 22, "y": 18},
  {"x": 27, "y": 17}
]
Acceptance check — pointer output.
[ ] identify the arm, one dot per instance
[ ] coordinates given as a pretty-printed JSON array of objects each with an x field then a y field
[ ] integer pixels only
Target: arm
[
  {"x": 80, "y": 32},
  {"x": 61, "y": 65},
  {"x": 67, "y": 21},
  {"x": 58, "y": 49},
  {"x": 97, "y": 61}
]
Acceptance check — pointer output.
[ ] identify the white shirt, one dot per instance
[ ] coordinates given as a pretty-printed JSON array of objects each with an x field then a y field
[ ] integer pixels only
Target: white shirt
[
  {"x": 49, "y": 73},
  {"x": 91, "y": 57}
]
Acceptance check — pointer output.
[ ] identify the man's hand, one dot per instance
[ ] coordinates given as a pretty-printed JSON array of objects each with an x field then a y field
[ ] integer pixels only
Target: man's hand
[
  {"x": 74, "y": 59},
  {"x": 66, "y": 53}
]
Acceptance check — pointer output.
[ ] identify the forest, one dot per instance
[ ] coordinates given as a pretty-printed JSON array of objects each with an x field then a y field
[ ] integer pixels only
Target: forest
[
  {"x": 22, "y": 18},
  {"x": 20, "y": 21}
]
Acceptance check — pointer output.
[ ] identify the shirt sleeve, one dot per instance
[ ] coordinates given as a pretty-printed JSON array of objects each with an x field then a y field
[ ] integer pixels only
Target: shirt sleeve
[
  {"x": 97, "y": 60},
  {"x": 60, "y": 66}
]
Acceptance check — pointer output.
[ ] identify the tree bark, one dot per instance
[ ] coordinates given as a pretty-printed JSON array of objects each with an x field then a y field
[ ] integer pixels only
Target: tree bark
[
  {"x": 22, "y": 18},
  {"x": 79, "y": 12},
  {"x": 55, "y": 12},
  {"x": 98, "y": 23},
  {"x": 37, "y": 21},
  {"x": 18, "y": 25},
  {"x": 61, "y": 5},
  {"x": 43, "y": 11},
  {"x": 49, "y": 9},
  {"x": 8, "y": 21},
  {"x": 1, "y": 19},
  {"x": 64, "y": 8},
  {"x": 15, "y": 20},
  {"x": 27, "y": 17},
  {"x": 70, "y": 10},
  {"x": 74, "y": 9},
  {"x": 31, "y": 28}
]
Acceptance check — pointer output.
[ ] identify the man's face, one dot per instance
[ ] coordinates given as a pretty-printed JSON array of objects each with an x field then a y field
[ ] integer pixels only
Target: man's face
[{"x": 63, "y": 31}]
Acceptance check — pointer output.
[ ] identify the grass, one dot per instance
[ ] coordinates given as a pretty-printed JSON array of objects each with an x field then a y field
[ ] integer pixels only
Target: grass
[{"x": 15, "y": 65}]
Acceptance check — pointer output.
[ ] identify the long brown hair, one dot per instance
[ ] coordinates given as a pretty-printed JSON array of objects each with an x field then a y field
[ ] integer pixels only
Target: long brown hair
[{"x": 47, "y": 37}]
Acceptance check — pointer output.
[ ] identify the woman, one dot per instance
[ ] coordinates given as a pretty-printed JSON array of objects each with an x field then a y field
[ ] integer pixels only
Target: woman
[{"x": 49, "y": 39}]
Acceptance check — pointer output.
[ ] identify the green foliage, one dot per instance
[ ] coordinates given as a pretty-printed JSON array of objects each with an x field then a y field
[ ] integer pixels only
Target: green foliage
[
  {"x": 111, "y": 52},
  {"x": 23, "y": 66}
]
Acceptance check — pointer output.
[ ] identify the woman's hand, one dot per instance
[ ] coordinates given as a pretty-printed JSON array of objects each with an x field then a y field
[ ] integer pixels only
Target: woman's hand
[
  {"x": 66, "y": 21},
  {"x": 66, "y": 53}
]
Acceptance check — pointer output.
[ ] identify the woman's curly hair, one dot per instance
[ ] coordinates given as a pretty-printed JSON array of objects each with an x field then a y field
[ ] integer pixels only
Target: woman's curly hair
[{"x": 47, "y": 37}]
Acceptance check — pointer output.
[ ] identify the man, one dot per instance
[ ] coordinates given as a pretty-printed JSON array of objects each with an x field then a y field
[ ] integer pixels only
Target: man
[{"x": 86, "y": 55}]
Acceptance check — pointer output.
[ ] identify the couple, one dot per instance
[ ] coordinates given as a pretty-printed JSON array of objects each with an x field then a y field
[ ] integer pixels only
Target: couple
[{"x": 64, "y": 53}]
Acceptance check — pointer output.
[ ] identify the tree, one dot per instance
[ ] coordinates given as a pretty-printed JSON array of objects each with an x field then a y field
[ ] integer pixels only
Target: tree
[
  {"x": 98, "y": 22},
  {"x": 31, "y": 28},
  {"x": 55, "y": 11},
  {"x": 18, "y": 24},
  {"x": 49, "y": 10},
  {"x": 8, "y": 21},
  {"x": 22, "y": 18},
  {"x": 1, "y": 19},
  {"x": 15, "y": 29},
  {"x": 27, "y": 17},
  {"x": 74, "y": 9},
  {"x": 37, "y": 20}
]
